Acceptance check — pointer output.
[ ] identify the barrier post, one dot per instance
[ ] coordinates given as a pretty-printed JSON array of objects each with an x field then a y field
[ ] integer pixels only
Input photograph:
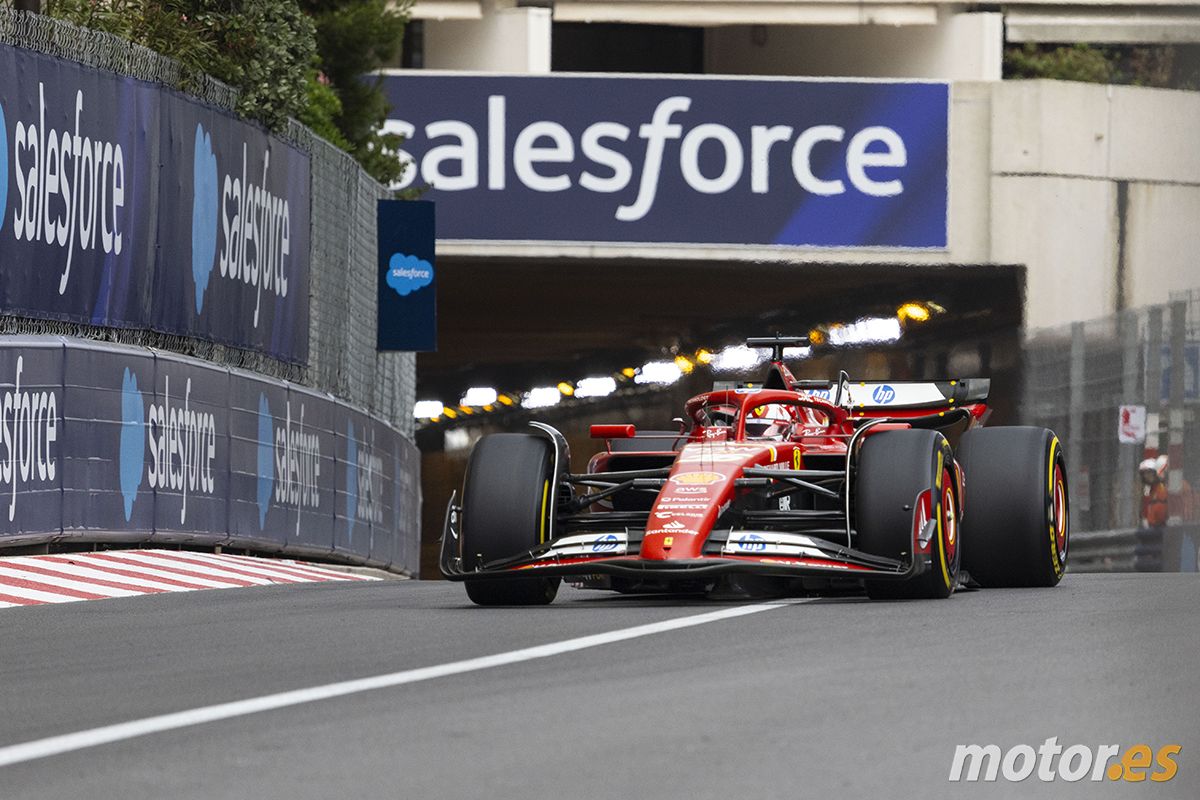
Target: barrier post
[
  {"x": 1075, "y": 406},
  {"x": 1126, "y": 485},
  {"x": 1173, "y": 537}
]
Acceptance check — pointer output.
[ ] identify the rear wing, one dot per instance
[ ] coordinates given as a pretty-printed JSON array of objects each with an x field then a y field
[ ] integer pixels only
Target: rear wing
[{"x": 908, "y": 395}]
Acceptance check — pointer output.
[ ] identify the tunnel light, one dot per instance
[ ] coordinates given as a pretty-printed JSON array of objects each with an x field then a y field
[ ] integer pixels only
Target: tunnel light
[
  {"x": 565, "y": 389},
  {"x": 704, "y": 356},
  {"x": 912, "y": 312},
  {"x": 479, "y": 396},
  {"x": 818, "y": 336},
  {"x": 541, "y": 397},
  {"x": 737, "y": 358},
  {"x": 427, "y": 409},
  {"x": 629, "y": 372},
  {"x": 595, "y": 387},
  {"x": 797, "y": 352},
  {"x": 868, "y": 330},
  {"x": 685, "y": 364},
  {"x": 506, "y": 400},
  {"x": 457, "y": 439},
  {"x": 658, "y": 372},
  {"x": 449, "y": 412}
]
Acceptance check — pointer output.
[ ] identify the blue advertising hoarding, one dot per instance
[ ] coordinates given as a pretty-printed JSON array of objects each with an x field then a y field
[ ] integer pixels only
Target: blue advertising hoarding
[
  {"x": 749, "y": 161},
  {"x": 125, "y": 204},
  {"x": 100, "y": 442},
  {"x": 407, "y": 276}
]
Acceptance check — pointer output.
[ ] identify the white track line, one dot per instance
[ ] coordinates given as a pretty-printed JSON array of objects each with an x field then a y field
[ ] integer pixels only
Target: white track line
[{"x": 66, "y": 743}]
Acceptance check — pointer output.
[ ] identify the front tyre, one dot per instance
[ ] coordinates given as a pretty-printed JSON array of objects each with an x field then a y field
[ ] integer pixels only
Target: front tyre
[
  {"x": 906, "y": 478},
  {"x": 505, "y": 512},
  {"x": 1017, "y": 519}
]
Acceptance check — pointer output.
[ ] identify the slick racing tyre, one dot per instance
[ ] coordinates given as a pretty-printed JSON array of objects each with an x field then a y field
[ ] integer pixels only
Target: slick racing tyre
[
  {"x": 902, "y": 474},
  {"x": 506, "y": 506},
  {"x": 1016, "y": 516}
]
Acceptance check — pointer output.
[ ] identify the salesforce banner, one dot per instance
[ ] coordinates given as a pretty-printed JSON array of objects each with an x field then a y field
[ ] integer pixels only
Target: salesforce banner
[
  {"x": 125, "y": 204},
  {"x": 678, "y": 160},
  {"x": 134, "y": 444}
]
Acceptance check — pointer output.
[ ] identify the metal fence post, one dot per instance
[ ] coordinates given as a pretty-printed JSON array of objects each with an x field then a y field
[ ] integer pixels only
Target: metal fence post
[
  {"x": 1125, "y": 483},
  {"x": 1075, "y": 419},
  {"x": 1173, "y": 538}
]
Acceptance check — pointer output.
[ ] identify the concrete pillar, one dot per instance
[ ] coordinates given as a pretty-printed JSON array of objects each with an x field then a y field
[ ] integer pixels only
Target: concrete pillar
[{"x": 507, "y": 39}]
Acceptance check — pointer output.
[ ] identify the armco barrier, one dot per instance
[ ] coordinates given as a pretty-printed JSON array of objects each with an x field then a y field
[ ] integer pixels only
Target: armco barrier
[
  {"x": 102, "y": 442},
  {"x": 1133, "y": 549}
]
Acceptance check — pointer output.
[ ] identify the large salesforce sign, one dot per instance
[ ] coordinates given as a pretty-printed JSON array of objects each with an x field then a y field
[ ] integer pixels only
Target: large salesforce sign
[
  {"x": 124, "y": 204},
  {"x": 703, "y": 160}
]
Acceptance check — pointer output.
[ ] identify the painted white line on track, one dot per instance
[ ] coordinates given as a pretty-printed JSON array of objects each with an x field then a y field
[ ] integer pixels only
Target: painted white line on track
[{"x": 80, "y": 740}]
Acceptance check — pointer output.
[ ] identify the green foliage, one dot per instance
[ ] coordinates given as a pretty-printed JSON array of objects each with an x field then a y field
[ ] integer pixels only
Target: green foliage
[
  {"x": 355, "y": 38},
  {"x": 263, "y": 48},
  {"x": 323, "y": 109},
  {"x": 1173, "y": 67},
  {"x": 164, "y": 26},
  {"x": 266, "y": 49}
]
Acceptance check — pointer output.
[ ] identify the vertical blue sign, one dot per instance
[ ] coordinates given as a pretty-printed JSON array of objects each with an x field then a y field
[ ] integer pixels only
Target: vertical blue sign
[{"x": 407, "y": 276}]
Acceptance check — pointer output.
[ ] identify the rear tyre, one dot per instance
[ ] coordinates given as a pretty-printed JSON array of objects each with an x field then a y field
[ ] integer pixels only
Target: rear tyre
[
  {"x": 1017, "y": 520},
  {"x": 506, "y": 505},
  {"x": 902, "y": 474}
]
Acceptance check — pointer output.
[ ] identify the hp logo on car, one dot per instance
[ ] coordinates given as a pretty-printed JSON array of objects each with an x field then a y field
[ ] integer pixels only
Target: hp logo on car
[
  {"x": 752, "y": 542},
  {"x": 605, "y": 544},
  {"x": 883, "y": 395}
]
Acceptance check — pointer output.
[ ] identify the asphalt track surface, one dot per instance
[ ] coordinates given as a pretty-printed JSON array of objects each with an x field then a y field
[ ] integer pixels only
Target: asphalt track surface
[{"x": 826, "y": 698}]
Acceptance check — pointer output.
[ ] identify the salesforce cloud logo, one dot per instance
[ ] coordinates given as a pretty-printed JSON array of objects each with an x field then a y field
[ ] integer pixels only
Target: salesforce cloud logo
[
  {"x": 205, "y": 205},
  {"x": 407, "y": 274},
  {"x": 351, "y": 480},
  {"x": 133, "y": 452},
  {"x": 266, "y": 458},
  {"x": 3, "y": 167}
]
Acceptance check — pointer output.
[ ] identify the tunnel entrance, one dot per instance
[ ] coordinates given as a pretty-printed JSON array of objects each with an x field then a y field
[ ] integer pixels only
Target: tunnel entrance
[{"x": 514, "y": 324}]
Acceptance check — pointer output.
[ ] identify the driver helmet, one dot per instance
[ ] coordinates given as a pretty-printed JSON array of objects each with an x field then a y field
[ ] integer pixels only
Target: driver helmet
[{"x": 771, "y": 422}]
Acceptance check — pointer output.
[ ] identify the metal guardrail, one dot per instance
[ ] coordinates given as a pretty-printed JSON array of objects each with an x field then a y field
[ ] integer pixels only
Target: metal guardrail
[{"x": 1132, "y": 549}]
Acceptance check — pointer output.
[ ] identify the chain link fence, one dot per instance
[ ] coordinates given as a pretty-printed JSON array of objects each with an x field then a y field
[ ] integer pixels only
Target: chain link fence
[
  {"x": 342, "y": 302},
  {"x": 1078, "y": 379}
]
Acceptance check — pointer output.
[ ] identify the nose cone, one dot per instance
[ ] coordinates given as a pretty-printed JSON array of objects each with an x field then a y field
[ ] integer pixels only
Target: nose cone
[{"x": 698, "y": 490}]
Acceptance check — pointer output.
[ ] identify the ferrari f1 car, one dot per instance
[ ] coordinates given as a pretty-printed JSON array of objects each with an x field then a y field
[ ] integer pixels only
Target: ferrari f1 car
[{"x": 789, "y": 485}]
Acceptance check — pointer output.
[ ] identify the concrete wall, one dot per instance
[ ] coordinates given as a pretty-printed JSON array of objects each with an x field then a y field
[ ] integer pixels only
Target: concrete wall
[
  {"x": 957, "y": 47},
  {"x": 505, "y": 39},
  {"x": 1059, "y": 153}
]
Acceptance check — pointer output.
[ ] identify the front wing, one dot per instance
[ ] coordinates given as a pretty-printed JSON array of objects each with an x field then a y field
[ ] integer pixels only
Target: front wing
[{"x": 758, "y": 552}]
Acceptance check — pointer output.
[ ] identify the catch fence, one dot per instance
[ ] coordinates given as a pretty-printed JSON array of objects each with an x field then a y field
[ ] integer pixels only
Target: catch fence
[
  {"x": 1095, "y": 382},
  {"x": 342, "y": 309}
]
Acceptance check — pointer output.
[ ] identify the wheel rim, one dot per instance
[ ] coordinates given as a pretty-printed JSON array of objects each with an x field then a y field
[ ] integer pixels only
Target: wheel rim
[
  {"x": 949, "y": 521},
  {"x": 1058, "y": 509}
]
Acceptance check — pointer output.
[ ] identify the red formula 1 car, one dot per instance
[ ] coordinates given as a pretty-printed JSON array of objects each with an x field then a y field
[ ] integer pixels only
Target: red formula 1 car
[{"x": 786, "y": 486}]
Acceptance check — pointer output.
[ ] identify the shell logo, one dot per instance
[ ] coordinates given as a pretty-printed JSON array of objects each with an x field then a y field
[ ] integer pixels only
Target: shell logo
[{"x": 697, "y": 478}]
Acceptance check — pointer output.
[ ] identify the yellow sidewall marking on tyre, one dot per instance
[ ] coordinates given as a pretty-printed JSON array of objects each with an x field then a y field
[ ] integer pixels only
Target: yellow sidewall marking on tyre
[
  {"x": 1054, "y": 560},
  {"x": 545, "y": 497}
]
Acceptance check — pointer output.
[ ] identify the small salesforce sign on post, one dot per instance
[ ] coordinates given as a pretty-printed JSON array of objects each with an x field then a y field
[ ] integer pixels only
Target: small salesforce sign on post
[{"x": 407, "y": 276}]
